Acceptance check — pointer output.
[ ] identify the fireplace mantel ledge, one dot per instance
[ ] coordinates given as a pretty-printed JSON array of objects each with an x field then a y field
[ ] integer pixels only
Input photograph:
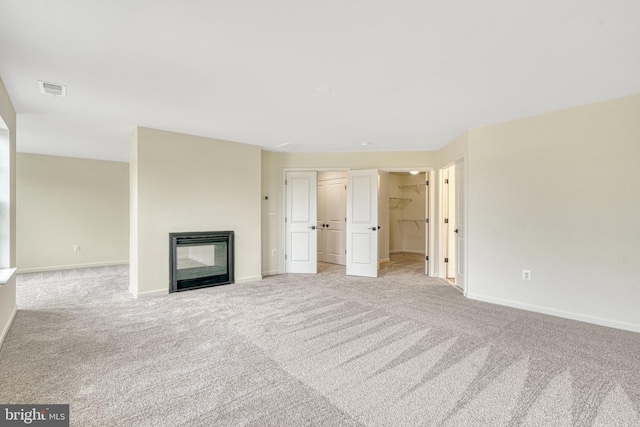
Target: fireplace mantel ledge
[{"x": 5, "y": 275}]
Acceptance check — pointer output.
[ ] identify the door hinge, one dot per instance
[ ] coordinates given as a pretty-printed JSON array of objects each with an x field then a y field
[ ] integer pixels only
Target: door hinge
[
  {"x": 345, "y": 251},
  {"x": 426, "y": 258},
  {"x": 426, "y": 183},
  {"x": 285, "y": 256},
  {"x": 285, "y": 219},
  {"x": 446, "y": 220},
  {"x": 285, "y": 182},
  {"x": 345, "y": 187},
  {"x": 446, "y": 260},
  {"x": 446, "y": 181},
  {"x": 426, "y": 220}
]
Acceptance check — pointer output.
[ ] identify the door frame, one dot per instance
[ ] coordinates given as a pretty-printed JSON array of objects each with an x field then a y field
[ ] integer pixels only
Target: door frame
[
  {"x": 430, "y": 246},
  {"x": 430, "y": 174},
  {"x": 442, "y": 237}
]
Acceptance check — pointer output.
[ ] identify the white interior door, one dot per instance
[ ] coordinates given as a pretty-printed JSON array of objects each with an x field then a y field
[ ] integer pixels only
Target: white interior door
[
  {"x": 322, "y": 221},
  {"x": 427, "y": 226},
  {"x": 451, "y": 217},
  {"x": 460, "y": 224},
  {"x": 301, "y": 222},
  {"x": 335, "y": 216},
  {"x": 362, "y": 223}
]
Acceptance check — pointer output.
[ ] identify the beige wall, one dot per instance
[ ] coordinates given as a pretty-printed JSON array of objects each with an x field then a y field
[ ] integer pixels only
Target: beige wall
[
  {"x": 273, "y": 166},
  {"x": 559, "y": 194},
  {"x": 8, "y": 290},
  {"x": 63, "y": 202},
  {"x": 190, "y": 183}
]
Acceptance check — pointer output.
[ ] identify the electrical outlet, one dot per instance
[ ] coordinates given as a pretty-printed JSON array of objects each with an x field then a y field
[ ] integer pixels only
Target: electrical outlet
[
  {"x": 76, "y": 248},
  {"x": 526, "y": 274}
]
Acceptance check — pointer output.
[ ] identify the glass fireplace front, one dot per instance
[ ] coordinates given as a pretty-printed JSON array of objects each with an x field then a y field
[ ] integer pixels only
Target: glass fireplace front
[{"x": 201, "y": 259}]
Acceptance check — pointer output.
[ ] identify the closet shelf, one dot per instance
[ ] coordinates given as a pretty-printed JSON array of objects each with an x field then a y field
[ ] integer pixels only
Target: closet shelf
[
  {"x": 412, "y": 187},
  {"x": 399, "y": 202}
]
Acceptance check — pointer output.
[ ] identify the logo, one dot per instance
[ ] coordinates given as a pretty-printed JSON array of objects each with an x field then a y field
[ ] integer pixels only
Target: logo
[{"x": 34, "y": 415}]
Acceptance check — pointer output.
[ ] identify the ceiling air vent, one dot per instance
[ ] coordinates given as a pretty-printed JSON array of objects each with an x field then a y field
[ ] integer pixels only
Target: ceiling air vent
[{"x": 53, "y": 89}]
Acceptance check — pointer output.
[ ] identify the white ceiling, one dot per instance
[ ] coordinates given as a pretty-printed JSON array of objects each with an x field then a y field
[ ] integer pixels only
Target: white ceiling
[{"x": 404, "y": 74}]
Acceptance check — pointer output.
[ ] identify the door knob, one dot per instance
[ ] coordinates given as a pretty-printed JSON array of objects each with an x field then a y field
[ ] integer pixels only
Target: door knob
[
  {"x": 313, "y": 227},
  {"x": 455, "y": 231},
  {"x": 373, "y": 228}
]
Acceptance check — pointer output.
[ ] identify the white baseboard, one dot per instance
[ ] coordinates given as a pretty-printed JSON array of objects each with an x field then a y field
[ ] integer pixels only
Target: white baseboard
[
  {"x": 384, "y": 261},
  {"x": 163, "y": 292},
  {"x": 70, "y": 267},
  {"x": 558, "y": 313},
  {"x": 152, "y": 294},
  {"x": 5, "y": 330},
  {"x": 249, "y": 279},
  {"x": 271, "y": 273},
  {"x": 406, "y": 251}
]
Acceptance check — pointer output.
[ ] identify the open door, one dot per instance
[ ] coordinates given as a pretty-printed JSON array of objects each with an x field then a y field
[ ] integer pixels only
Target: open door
[
  {"x": 362, "y": 223},
  {"x": 460, "y": 226},
  {"x": 301, "y": 222}
]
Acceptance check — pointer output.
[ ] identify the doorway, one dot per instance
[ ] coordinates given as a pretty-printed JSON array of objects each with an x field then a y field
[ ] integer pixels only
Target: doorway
[
  {"x": 364, "y": 185},
  {"x": 404, "y": 211},
  {"x": 332, "y": 217}
]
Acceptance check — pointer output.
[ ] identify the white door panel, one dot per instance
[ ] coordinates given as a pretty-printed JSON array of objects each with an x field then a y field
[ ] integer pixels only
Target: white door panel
[
  {"x": 335, "y": 219},
  {"x": 362, "y": 223},
  {"x": 460, "y": 223},
  {"x": 301, "y": 220},
  {"x": 321, "y": 230}
]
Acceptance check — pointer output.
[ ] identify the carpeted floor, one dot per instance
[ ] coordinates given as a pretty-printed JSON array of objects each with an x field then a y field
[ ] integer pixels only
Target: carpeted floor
[{"x": 295, "y": 350}]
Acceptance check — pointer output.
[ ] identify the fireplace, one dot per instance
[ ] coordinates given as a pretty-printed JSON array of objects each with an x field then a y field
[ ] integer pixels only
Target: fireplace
[{"x": 201, "y": 259}]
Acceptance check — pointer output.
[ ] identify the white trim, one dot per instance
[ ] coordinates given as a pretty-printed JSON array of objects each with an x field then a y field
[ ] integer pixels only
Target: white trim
[
  {"x": 6, "y": 274},
  {"x": 405, "y": 169},
  {"x": 442, "y": 244},
  {"x": 272, "y": 273},
  {"x": 163, "y": 292},
  {"x": 71, "y": 267},
  {"x": 249, "y": 279},
  {"x": 5, "y": 330},
  {"x": 151, "y": 294},
  {"x": 558, "y": 313},
  {"x": 406, "y": 251},
  {"x": 431, "y": 214}
]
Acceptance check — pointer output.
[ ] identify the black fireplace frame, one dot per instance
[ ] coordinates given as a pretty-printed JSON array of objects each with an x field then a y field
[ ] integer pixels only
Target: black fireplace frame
[{"x": 194, "y": 238}]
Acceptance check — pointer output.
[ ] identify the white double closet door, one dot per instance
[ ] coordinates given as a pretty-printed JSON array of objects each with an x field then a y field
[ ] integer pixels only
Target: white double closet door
[
  {"x": 301, "y": 229},
  {"x": 332, "y": 219}
]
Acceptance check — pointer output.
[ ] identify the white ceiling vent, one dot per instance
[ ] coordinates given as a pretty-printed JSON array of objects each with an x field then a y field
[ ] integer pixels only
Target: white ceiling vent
[{"x": 53, "y": 89}]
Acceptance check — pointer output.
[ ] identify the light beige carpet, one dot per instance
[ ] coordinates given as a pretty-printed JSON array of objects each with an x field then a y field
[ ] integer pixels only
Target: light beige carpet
[{"x": 295, "y": 350}]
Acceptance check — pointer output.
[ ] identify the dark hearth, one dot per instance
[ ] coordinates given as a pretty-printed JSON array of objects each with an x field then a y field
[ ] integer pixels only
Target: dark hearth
[{"x": 200, "y": 259}]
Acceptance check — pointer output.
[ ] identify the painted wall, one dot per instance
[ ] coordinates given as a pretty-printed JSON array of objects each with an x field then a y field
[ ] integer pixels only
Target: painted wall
[
  {"x": 189, "y": 183},
  {"x": 273, "y": 165},
  {"x": 8, "y": 290},
  {"x": 63, "y": 202},
  {"x": 559, "y": 194}
]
